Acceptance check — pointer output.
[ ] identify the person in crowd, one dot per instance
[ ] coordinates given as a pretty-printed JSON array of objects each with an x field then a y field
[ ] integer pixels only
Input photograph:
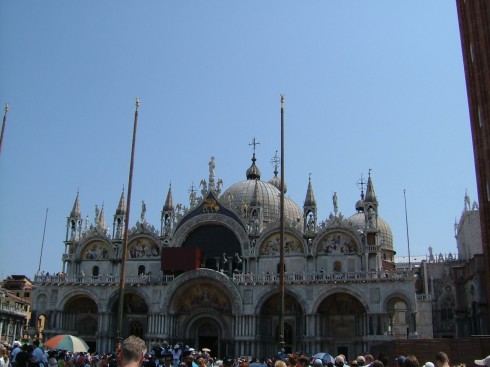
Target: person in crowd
[
  {"x": 133, "y": 352},
  {"x": 483, "y": 362},
  {"x": 441, "y": 360},
  {"x": 13, "y": 354},
  {"x": 429, "y": 364},
  {"x": 377, "y": 363},
  {"x": 361, "y": 361},
  {"x": 411, "y": 361},
  {"x": 339, "y": 360},
  {"x": 400, "y": 360},
  {"x": 4, "y": 358},
  {"x": 23, "y": 358},
  {"x": 37, "y": 355},
  {"x": 302, "y": 362},
  {"x": 383, "y": 358},
  {"x": 368, "y": 359}
]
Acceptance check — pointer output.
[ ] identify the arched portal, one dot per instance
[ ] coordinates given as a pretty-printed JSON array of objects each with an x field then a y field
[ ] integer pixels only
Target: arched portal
[
  {"x": 269, "y": 323},
  {"x": 80, "y": 316},
  {"x": 343, "y": 323},
  {"x": 206, "y": 333},
  {"x": 135, "y": 312},
  {"x": 204, "y": 309},
  {"x": 399, "y": 317}
]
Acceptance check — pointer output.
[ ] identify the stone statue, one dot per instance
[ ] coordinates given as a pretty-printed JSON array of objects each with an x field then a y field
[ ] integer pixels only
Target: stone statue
[
  {"x": 335, "y": 203},
  {"x": 143, "y": 211}
]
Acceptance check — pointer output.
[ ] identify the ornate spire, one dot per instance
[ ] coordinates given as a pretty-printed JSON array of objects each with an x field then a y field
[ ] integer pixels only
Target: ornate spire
[
  {"x": 370, "y": 194},
  {"x": 75, "y": 212},
  {"x": 467, "y": 201},
  {"x": 102, "y": 218},
  {"x": 310, "y": 197},
  {"x": 169, "y": 201},
  {"x": 255, "y": 199},
  {"x": 121, "y": 207},
  {"x": 253, "y": 173}
]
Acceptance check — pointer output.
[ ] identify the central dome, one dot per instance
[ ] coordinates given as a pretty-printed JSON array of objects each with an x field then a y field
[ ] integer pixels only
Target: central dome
[{"x": 243, "y": 193}]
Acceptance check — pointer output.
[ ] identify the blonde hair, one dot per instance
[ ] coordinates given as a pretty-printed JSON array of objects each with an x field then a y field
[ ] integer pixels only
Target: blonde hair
[
  {"x": 280, "y": 363},
  {"x": 3, "y": 353}
]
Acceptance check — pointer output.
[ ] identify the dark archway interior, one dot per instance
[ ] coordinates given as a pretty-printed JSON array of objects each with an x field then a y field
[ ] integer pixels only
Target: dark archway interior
[{"x": 214, "y": 241}]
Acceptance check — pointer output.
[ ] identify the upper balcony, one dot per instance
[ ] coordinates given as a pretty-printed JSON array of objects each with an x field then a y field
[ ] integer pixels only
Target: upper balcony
[{"x": 237, "y": 278}]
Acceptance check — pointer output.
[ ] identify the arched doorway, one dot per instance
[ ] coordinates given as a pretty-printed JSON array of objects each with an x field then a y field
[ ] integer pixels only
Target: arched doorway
[
  {"x": 204, "y": 309},
  {"x": 269, "y": 324},
  {"x": 343, "y": 321},
  {"x": 80, "y": 317},
  {"x": 135, "y": 312}
]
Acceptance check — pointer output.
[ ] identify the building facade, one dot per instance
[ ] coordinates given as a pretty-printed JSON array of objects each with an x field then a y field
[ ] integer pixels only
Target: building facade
[
  {"x": 474, "y": 25},
  {"x": 343, "y": 292},
  {"x": 15, "y": 310}
]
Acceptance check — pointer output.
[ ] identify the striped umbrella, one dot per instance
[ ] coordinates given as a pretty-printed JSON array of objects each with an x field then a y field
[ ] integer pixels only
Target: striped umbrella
[{"x": 67, "y": 342}]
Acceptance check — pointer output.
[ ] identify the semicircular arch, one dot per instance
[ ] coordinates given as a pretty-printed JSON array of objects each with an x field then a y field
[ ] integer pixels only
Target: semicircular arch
[
  {"x": 202, "y": 220},
  {"x": 329, "y": 292},
  {"x": 336, "y": 241},
  {"x": 201, "y": 276}
]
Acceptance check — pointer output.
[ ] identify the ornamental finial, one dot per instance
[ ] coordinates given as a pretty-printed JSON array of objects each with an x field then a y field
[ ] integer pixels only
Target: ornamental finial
[
  {"x": 137, "y": 103},
  {"x": 6, "y": 107},
  {"x": 282, "y": 100}
]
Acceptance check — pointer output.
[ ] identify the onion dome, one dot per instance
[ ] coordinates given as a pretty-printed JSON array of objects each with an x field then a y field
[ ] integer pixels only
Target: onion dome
[
  {"x": 276, "y": 181},
  {"x": 358, "y": 220},
  {"x": 253, "y": 173}
]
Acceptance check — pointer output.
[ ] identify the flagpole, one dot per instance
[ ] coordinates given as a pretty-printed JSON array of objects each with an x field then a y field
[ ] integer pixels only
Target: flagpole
[
  {"x": 122, "y": 282},
  {"x": 42, "y": 243},
  {"x": 281, "y": 234},
  {"x": 406, "y": 224},
  {"x": 3, "y": 125}
]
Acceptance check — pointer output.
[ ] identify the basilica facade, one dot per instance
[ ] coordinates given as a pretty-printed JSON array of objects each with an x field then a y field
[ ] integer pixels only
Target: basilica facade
[{"x": 209, "y": 275}]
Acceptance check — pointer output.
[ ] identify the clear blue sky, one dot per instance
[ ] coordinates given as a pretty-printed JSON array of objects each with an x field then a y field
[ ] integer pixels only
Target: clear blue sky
[{"x": 369, "y": 85}]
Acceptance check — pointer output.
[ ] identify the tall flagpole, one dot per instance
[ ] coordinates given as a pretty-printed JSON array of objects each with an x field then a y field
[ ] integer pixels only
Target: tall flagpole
[
  {"x": 122, "y": 282},
  {"x": 42, "y": 243},
  {"x": 406, "y": 224},
  {"x": 281, "y": 235},
  {"x": 3, "y": 125}
]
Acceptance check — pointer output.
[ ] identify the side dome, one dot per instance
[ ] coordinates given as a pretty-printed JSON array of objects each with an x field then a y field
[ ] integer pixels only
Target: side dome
[
  {"x": 385, "y": 234},
  {"x": 242, "y": 193}
]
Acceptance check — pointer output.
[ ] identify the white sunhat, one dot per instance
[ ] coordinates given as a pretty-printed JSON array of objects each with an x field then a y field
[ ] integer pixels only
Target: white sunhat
[{"x": 483, "y": 362}]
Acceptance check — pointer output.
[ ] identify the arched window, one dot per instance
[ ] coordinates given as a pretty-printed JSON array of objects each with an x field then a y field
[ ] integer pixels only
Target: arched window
[
  {"x": 95, "y": 271},
  {"x": 141, "y": 270}
]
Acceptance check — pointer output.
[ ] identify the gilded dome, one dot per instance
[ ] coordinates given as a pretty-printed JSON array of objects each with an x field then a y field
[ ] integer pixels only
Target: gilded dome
[
  {"x": 386, "y": 236},
  {"x": 269, "y": 198}
]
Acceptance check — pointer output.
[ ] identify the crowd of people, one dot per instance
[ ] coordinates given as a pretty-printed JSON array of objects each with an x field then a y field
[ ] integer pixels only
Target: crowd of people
[{"x": 133, "y": 353}]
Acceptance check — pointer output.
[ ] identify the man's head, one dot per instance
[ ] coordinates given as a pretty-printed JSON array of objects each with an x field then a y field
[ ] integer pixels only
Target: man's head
[
  {"x": 339, "y": 360},
  {"x": 133, "y": 350},
  {"x": 411, "y": 361},
  {"x": 302, "y": 362},
  {"x": 441, "y": 359},
  {"x": 361, "y": 361}
]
